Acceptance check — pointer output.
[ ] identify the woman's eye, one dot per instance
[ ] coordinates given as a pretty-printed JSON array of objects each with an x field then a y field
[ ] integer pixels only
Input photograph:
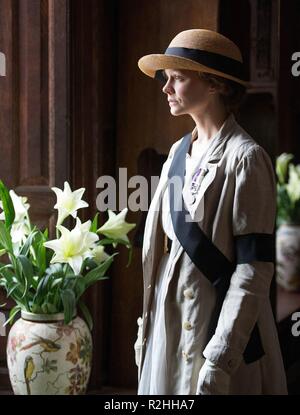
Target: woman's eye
[{"x": 179, "y": 78}]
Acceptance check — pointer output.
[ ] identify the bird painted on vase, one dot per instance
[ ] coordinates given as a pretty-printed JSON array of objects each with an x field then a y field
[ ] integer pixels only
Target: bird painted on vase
[
  {"x": 48, "y": 345},
  {"x": 29, "y": 367}
]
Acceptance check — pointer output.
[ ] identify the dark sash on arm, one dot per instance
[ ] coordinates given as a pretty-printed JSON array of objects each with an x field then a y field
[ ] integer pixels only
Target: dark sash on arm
[{"x": 206, "y": 256}]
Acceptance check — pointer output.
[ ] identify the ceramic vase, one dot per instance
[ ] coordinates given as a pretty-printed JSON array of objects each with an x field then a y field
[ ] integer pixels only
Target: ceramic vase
[
  {"x": 47, "y": 357},
  {"x": 288, "y": 257}
]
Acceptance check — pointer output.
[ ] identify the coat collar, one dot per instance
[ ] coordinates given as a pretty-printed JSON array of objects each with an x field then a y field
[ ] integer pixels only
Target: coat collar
[{"x": 219, "y": 141}]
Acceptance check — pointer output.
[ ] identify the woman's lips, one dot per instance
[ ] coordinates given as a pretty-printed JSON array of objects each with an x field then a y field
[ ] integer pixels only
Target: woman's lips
[{"x": 172, "y": 102}]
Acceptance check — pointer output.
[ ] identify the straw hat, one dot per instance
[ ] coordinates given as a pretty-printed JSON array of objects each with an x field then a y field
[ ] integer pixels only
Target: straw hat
[{"x": 198, "y": 50}]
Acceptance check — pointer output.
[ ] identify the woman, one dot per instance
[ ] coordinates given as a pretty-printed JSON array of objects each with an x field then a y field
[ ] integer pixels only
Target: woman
[{"x": 207, "y": 325}]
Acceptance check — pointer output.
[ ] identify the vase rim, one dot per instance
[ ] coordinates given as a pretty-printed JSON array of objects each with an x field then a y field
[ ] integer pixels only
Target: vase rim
[
  {"x": 26, "y": 315},
  {"x": 290, "y": 224}
]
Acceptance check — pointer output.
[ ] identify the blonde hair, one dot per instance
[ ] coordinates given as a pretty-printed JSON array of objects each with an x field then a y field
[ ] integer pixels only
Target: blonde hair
[{"x": 231, "y": 93}]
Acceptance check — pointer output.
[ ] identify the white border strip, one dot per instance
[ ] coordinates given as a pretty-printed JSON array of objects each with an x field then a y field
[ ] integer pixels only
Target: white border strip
[{"x": 2, "y": 64}]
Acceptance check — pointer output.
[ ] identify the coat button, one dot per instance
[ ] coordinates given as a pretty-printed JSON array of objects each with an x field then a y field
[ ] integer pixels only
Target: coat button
[
  {"x": 230, "y": 363},
  {"x": 187, "y": 325},
  {"x": 188, "y": 293},
  {"x": 149, "y": 286}
]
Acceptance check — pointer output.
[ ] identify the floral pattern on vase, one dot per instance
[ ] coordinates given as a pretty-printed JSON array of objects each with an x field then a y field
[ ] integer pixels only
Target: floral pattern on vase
[
  {"x": 49, "y": 358},
  {"x": 288, "y": 257}
]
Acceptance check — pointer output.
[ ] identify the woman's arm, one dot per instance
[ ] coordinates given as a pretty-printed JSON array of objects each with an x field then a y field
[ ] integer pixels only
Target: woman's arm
[{"x": 254, "y": 210}]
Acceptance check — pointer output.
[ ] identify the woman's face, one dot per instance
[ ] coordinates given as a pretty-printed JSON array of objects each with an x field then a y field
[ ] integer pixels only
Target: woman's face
[{"x": 187, "y": 93}]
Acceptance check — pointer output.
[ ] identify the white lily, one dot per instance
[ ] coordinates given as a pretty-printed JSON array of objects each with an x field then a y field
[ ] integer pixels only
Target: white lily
[
  {"x": 293, "y": 186},
  {"x": 20, "y": 206},
  {"x": 21, "y": 226},
  {"x": 282, "y": 163},
  {"x": 68, "y": 202},
  {"x": 19, "y": 232},
  {"x": 73, "y": 246},
  {"x": 116, "y": 227},
  {"x": 98, "y": 254}
]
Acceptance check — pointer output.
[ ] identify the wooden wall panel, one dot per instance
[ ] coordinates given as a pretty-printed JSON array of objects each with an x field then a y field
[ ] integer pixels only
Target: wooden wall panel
[
  {"x": 9, "y": 92},
  {"x": 92, "y": 152},
  {"x": 30, "y": 136}
]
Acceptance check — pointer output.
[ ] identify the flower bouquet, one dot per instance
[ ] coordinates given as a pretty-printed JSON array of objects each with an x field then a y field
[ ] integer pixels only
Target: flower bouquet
[
  {"x": 49, "y": 349},
  {"x": 288, "y": 190},
  {"x": 288, "y": 223},
  {"x": 47, "y": 276}
]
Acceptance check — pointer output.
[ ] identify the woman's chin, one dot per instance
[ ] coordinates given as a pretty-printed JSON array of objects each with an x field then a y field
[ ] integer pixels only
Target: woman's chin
[{"x": 176, "y": 111}]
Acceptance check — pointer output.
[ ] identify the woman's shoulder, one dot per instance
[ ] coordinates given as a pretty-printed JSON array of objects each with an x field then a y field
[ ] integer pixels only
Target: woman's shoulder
[{"x": 242, "y": 145}]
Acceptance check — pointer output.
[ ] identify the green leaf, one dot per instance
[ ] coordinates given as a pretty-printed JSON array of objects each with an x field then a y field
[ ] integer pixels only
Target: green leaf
[
  {"x": 94, "y": 225},
  {"x": 42, "y": 289},
  {"x": 13, "y": 312},
  {"x": 36, "y": 309},
  {"x": 25, "y": 248},
  {"x": 107, "y": 241},
  {"x": 56, "y": 270},
  {"x": 129, "y": 256},
  {"x": 5, "y": 238},
  {"x": 80, "y": 286},
  {"x": 12, "y": 288},
  {"x": 51, "y": 308},
  {"x": 40, "y": 252},
  {"x": 115, "y": 241},
  {"x": 69, "y": 304},
  {"x": 7, "y": 204},
  {"x": 27, "y": 271},
  {"x": 86, "y": 314},
  {"x": 97, "y": 273},
  {"x": 56, "y": 282}
]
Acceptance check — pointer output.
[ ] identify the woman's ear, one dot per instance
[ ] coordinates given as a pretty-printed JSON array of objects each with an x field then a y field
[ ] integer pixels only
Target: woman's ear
[{"x": 213, "y": 88}]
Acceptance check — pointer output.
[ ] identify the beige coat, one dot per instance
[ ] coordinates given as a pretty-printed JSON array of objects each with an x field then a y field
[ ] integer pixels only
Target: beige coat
[{"x": 236, "y": 197}]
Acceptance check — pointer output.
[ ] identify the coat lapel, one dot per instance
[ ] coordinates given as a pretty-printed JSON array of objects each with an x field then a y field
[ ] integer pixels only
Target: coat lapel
[{"x": 153, "y": 241}]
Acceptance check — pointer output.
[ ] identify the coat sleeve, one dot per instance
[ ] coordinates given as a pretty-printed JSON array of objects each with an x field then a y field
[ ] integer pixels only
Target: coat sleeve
[{"x": 253, "y": 221}]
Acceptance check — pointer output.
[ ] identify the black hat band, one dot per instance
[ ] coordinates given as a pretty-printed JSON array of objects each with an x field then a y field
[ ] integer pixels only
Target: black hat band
[{"x": 212, "y": 60}]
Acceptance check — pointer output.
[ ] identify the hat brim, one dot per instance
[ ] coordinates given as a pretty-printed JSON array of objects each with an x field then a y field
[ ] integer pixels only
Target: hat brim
[{"x": 149, "y": 64}]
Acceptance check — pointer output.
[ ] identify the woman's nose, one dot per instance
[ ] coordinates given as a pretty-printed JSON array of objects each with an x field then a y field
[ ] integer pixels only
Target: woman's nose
[{"x": 167, "y": 88}]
